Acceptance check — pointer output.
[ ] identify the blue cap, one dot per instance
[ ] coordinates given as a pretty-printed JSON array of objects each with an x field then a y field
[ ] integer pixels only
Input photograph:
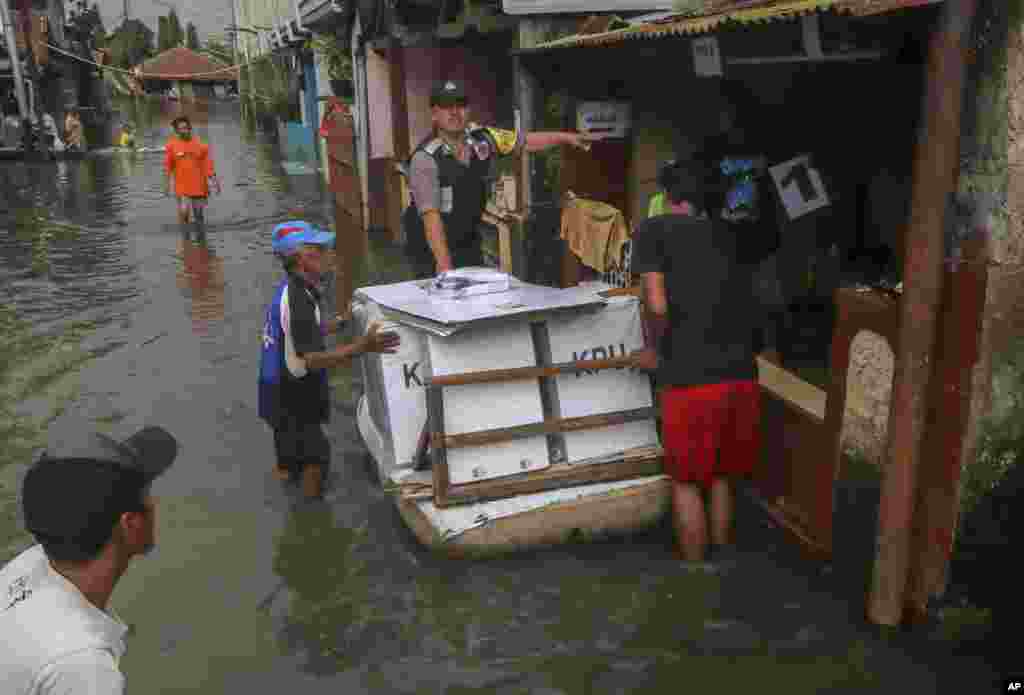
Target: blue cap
[{"x": 289, "y": 236}]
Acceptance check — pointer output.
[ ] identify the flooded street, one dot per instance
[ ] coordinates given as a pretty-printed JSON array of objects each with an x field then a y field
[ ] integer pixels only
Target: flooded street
[{"x": 110, "y": 314}]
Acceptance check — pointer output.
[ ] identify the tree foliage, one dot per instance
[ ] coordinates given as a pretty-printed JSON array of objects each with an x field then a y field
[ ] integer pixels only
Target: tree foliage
[
  {"x": 336, "y": 54},
  {"x": 191, "y": 37},
  {"x": 176, "y": 33},
  {"x": 162, "y": 36},
  {"x": 130, "y": 44},
  {"x": 220, "y": 50}
]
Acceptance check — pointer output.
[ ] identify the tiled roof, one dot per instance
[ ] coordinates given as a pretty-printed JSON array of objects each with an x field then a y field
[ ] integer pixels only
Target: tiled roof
[{"x": 186, "y": 65}]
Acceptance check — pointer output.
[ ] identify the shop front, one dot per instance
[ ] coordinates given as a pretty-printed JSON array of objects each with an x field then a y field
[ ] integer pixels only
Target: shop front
[{"x": 828, "y": 96}]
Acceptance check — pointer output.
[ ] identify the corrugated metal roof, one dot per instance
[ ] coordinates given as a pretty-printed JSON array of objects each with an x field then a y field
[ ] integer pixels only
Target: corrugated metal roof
[{"x": 720, "y": 12}]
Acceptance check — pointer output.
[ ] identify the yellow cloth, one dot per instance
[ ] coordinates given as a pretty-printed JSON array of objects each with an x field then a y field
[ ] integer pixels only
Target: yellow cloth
[
  {"x": 596, "y": 233},
  {"x": 127, "y": 140}
]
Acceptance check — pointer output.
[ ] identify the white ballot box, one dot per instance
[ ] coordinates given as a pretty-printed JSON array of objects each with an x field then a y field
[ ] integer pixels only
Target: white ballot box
[
  {"x": 476, "y": 407},
  {"x": 613, "y": 331},
  {"x": 395, "y": 400}
]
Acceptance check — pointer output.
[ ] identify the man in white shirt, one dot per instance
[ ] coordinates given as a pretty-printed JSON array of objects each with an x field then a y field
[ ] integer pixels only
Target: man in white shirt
[{"x": 87, "y": 502}]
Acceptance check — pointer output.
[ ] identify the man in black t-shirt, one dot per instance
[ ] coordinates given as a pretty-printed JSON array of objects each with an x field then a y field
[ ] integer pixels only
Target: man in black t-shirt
[
  {"x": 293, "y": 393},
  {"x": 702, "y": 314}
]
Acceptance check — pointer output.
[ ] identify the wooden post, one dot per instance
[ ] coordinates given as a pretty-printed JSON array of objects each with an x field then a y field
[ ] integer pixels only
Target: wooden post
[
  {"x": 936, "y": 511},
  {"x": 935, "y": 171},
  {"x": 400, "y": 133},
  {"x": 974, "y": 298},
  {"x": 351, "y": 244},
  {"x": 435, "y": 418},
  {"x": 527, "y": 93}
]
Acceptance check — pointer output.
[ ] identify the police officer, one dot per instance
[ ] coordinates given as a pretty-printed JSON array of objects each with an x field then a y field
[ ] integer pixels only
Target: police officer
[{"x": 447, "y": 178}]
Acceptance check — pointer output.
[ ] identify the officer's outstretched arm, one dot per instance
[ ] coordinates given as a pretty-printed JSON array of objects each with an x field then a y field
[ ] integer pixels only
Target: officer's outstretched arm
[
  {"x": 542, "y": 140},
  {"x": 438, "y": 239}
]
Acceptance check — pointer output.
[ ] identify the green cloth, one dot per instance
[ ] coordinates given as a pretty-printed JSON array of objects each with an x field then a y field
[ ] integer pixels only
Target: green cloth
[{"x": 657, "y": 204}]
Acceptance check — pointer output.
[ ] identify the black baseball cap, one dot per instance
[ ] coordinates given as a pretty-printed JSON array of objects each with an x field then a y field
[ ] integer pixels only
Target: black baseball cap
[
  {"x": 82, "y": 483},
  {"x": 447, "y": 92}
]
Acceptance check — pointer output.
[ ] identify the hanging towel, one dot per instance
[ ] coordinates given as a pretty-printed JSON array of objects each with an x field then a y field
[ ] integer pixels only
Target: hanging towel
[{"x": 596, "y": 233}]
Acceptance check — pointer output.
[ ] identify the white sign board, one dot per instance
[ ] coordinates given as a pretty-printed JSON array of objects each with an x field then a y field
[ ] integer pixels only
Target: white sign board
[
  {"x": 610, "y": 119},
  {"x": 476, "y": 407},
  {"x": 707, "y": 58},
  {"x": 612, "y": 332},
  {"x": 799, "y": 186}
]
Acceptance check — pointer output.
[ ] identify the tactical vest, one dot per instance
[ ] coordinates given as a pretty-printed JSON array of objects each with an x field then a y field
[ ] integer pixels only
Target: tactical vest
[
  {"x": 273, "y": 370},
  {"x": 467, "y": 189}
]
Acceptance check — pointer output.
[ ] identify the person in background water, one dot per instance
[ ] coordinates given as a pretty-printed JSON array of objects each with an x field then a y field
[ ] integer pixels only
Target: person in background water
[
  {"x": 88, "y": 503},
  {"x": 189, "y": 162},
  {"x": 51, "y": 138},
  {"x": 74, "y": 132},
  {"x": 293, "y": 394},
  {"x": 702, "y": 313},
  {"x": 447, "y": 179},
  {"x": 127, "y": 136}
]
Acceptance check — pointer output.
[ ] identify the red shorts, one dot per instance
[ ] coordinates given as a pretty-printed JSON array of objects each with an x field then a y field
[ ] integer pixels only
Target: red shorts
[{"x": 711, "y": 430}]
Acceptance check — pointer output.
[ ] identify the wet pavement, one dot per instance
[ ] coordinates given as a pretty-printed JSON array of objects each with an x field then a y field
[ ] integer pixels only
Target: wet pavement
[{"x": 112, "y": 316}]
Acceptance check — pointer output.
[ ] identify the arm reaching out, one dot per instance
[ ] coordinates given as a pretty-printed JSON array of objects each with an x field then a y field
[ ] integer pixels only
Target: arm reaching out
[
  {"x": 374, "y": 341},
  {"x": 542, "y": 140}
]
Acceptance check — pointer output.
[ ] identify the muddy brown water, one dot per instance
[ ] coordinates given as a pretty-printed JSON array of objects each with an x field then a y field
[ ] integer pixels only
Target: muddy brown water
[{"x": 112, "y": 317}]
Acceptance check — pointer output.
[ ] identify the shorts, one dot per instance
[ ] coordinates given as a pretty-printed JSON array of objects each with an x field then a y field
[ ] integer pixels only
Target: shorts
[
  {"x": 298, "y": 444},
  {"x": 186, "y": 202},
  {"x": 710, "y": 431}
]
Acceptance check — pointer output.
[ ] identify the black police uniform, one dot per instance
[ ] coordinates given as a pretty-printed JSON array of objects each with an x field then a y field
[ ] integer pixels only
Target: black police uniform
[{"x": 468, "y": 194}]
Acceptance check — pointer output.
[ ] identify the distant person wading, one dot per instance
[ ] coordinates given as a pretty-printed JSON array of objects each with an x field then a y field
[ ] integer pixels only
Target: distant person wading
[{"x": 190, "y": 163}]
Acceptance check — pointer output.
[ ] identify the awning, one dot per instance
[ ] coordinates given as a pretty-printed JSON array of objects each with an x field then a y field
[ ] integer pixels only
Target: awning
[{"x": 726, "y": 12}]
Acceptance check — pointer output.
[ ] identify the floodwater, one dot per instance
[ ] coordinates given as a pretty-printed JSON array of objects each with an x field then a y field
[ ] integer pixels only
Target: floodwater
[{"x": 112, "y": 316}]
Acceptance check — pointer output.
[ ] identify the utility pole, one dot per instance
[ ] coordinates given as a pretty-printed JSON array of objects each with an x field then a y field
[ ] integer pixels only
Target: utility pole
[{"x": 12, "y": 51}]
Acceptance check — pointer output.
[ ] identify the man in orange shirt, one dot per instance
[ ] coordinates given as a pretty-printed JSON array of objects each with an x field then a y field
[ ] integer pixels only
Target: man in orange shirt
[{"x": 190, "y": 163}]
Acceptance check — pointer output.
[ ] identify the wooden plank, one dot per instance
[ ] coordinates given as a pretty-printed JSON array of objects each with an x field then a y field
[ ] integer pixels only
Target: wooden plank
[
  {"x": 435, "y": 415},
  {"x": 788, "y": 387},
  {"x": 619, "y": 512},
  {"x": 811, "y": 546},
  {"x": 497, "y": 375},
  {"x": 634, "y": 291},
  {"x": 504, "y": 248},
  {"x": 552, "y": 478},
  {"x": 553, "y": 426}
]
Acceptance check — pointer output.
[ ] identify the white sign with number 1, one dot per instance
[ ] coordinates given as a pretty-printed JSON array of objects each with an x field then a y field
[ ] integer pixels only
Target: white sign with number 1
[{"x": 800, "y": 187}]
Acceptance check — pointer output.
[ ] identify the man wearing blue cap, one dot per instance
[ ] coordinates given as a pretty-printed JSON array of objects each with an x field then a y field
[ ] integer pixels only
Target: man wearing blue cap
[
  {"x": 293, "y": 393},
  {"x": 88, "y": 503}
]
